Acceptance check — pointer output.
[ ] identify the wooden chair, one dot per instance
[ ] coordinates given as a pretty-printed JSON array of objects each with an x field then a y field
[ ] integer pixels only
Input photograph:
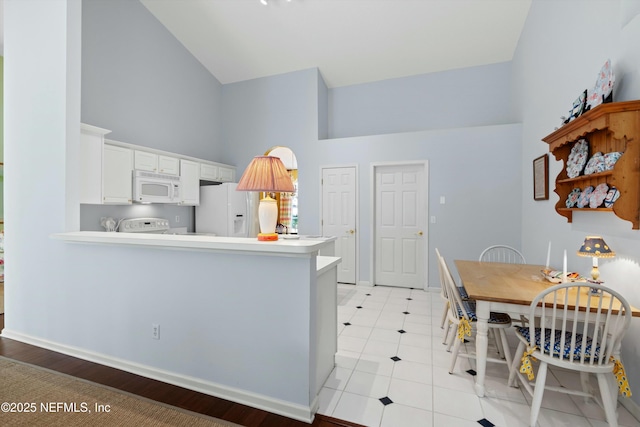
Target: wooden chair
[
  {"x": 502, "y": 253},
  {"x": 583, "y": 341},
  {"x": 507, "y": 255},
  {"x": 461, "y": 313},
  {"x": 445, "y": 298}
]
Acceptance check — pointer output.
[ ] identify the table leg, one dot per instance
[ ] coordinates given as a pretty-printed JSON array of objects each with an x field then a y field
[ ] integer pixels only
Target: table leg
[{"x": 482, "y": 329}]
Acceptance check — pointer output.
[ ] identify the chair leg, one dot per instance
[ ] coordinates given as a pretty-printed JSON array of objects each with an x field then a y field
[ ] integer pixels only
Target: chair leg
[
  {"x": 446, "y": 332},
  {"x": 541, "y": 379},
  {"x": 584, "y": 383},
  {"x": 495, "y": 335},
  {"x": 454, "y": 354},
  {"x": 608, "y": 399},
  {"x": 452, "y": 336},
  {"x": 513, "y": 371},
  {"x": 505, "y": 348},
  {"x": 444, "y": 314}
]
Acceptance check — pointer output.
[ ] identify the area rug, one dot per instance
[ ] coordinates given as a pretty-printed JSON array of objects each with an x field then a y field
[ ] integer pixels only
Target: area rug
[{"x": 34, "y": 396}]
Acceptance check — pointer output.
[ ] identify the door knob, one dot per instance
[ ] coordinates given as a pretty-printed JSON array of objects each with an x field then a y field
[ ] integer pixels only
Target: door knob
[
  {"x": 351, "y": 232},
  {"x": 420, "y": 233}
]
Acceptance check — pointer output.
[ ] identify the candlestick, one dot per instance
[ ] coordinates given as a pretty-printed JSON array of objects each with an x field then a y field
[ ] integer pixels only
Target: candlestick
[{"x": 548, "y": 255}]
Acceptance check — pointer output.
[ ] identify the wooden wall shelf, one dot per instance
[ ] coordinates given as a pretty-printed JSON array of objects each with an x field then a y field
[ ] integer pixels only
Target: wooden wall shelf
[{"x": 608, "y": 127}]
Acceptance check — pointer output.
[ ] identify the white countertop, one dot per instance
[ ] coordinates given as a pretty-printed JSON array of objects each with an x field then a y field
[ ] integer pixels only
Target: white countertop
[
  {"x": 297, "y": 247},
  {"x": 325, "y": 263}
]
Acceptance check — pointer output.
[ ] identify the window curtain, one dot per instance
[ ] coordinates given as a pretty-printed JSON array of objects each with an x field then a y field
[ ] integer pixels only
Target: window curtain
[{"x": 285, "y": 209}]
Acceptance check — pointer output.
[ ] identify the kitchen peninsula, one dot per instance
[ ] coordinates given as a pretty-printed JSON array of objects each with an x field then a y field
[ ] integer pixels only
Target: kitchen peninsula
[{"x": 248, "y": 321}]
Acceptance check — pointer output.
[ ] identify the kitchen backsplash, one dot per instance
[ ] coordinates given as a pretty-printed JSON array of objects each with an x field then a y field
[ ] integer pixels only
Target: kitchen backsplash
[{"x": 178, "y": 216}]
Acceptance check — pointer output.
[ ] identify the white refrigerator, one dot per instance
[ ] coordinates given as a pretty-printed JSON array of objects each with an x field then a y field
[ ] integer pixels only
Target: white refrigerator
[{"x": 226, "y": 212}]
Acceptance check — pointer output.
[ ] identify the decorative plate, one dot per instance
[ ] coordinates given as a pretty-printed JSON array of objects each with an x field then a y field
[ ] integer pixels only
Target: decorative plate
[
  {"x": 595, "y": 164},
  {"x": 583, "y": 200},
  {"x": 612, "y": 196},
  {"x": 603, "y": 87},
  {"x": 610, "y": 159},
  {"x": 572, "y": 199},
  {"x": 577, "y": 158},
  {"x": 579, "y": 106},
  {"x": 598, "y": 195}
]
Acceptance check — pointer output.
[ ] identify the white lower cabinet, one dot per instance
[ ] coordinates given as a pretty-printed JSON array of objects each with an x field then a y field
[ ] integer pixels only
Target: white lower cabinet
[
  {"x": 117, "y": 167},
  {"x": 190, "y": 180}
]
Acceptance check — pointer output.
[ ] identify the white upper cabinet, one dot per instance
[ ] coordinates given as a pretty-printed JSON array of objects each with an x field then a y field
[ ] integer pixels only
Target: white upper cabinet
[
  {"x": 158, "y": 163},
  {"x": 168, "y": 165},
  {"x": 226, "y": 174},
  {"x": 190, "y": 179},
  {"x": 145, "y": 161},
  {"x": 117, "y": 175},
  {"x": 208, "y": 172},
  {"x": 217, "y": 172},
  {"x": 91, "y": 143},
  {"x": 106, "y": 169}
]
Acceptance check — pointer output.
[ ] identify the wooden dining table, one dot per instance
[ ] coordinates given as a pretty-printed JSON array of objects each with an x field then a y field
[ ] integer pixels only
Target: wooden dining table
[{"x": 500, "y": 287}]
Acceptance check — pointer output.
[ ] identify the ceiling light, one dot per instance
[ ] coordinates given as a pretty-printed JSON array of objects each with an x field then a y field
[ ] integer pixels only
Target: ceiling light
[{"x": 266, "y": 2}]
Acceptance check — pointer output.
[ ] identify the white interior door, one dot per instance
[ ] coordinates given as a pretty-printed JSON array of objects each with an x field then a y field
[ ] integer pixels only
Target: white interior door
[
  {"x": 400, "y": 198},
  {"x": 339, "y": 217}
]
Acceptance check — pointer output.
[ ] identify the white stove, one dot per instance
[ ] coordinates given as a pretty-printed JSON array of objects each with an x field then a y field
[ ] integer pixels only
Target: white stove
[{"x": 144, "y": 225}]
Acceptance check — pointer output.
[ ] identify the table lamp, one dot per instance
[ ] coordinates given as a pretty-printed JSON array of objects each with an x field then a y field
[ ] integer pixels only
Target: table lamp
[
  {"x": 595, "y": 247},
  {"x": 266, "y": 174}
]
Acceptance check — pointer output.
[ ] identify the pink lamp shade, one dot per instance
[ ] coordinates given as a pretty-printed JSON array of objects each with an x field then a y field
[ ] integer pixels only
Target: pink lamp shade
[{"x": 266, "y": 173}]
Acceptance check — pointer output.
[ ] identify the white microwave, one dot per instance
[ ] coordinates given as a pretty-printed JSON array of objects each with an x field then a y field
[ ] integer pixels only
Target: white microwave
[{"x": 149, "y": 187}]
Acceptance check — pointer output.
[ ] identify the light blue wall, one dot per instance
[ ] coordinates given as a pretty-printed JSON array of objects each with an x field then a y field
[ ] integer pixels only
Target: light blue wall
[
  {"x": 551, "y": 67},
  {"x": 476, "y": 96},
  {"x": 141, "y": 83},
  {"x": 124, "y": 72},
  {"x": 476, "y": 168}
]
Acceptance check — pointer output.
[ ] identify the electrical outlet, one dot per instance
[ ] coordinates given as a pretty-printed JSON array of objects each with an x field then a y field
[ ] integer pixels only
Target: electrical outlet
[
  {"x": 177, "y": 218},
  {"x": 155, "y": 331}
]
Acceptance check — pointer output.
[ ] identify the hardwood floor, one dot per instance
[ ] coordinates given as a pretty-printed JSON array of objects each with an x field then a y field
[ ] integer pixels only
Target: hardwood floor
[{"x": 155, "y": 390}]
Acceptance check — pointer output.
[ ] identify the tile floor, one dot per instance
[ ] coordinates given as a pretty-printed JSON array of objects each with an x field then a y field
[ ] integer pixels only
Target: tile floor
[{"x": 392, "y": 371}]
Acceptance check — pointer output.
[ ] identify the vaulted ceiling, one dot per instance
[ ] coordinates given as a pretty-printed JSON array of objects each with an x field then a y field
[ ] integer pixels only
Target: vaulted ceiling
[{"x": 350, "y": 41}]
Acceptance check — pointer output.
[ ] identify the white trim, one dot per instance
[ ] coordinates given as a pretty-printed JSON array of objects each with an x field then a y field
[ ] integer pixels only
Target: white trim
[
  {"x": 630, "y": 406},
  {"x": 372, "y": 210},
  {"x": 255, "y": 400},
  {"x": 357, "y": 208}
]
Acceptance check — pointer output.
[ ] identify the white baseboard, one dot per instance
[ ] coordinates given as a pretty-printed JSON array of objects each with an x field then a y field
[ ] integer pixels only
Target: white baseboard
[
  {"x": 630, "y": 406},
  {"x": 254, "y": 400}
]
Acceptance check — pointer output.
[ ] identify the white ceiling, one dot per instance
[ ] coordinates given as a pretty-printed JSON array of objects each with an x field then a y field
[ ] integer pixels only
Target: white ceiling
[{"x": 349, "y": 41}]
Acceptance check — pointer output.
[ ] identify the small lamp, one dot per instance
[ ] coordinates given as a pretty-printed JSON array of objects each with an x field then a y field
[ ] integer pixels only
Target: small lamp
[
  {"x": 267, "y": 174},
  {"x": 595, "y": 247}
]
